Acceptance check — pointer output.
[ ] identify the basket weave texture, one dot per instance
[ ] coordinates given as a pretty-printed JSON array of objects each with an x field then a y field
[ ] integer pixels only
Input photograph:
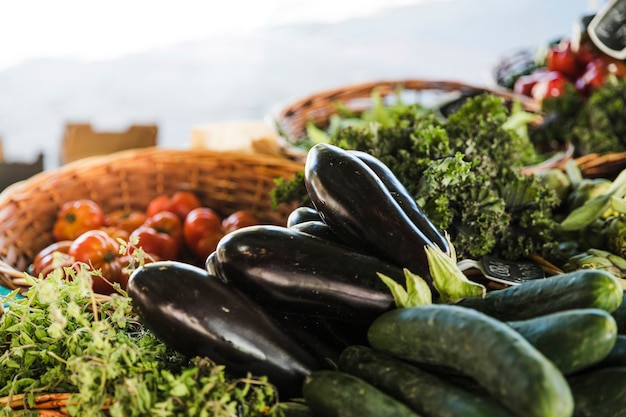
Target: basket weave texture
[{"x": 225, "y": 182}]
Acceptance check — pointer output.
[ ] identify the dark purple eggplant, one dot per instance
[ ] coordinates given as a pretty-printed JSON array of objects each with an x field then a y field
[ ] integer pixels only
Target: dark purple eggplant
[
  {"x": 359, "y": 208},
  {"x": 197, "y": 314},
  {"x": 302, "y": 214},
  {"x": 312, "y": 334},
  {"x": 317, "y": 228},
  {"x": 295, "y": 272},
  {"x": 404, "y": 198}
]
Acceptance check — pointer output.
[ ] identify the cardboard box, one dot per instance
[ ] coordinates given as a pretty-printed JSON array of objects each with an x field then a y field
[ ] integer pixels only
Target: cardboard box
[{"x": 81, "y": 140}]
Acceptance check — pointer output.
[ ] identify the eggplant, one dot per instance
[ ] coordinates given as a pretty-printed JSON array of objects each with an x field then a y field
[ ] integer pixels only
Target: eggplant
[
  {"x": 404, "y": 199},
  {"x": 359, "y": 208},
  {"x": 317, "y": 228},
  {"x": 302, "y": 214},
  {"x": 294, "y": 272},
  {"x": 196, "y": 314}
]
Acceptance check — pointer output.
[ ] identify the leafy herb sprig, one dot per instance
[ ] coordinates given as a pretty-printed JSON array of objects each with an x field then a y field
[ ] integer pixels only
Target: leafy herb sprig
[{"x": 63, "y": 338}]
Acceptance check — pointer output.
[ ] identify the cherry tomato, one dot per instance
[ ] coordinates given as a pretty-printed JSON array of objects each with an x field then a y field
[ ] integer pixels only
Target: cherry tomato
[
  {"x": 161, "y": 235},
  {"x": 561, "y": 58},
  {"x": 202, "y": 230},
  {"x": 101, "y": 251},
  {"x": 76, "y": 217},
  {"x": 552, "y": 85},
  {"x": 239, "y": 219},
  {"x": 180, "y": 203},
  {"x": 51, "y": 257},
  {"x": 127, "y": 220}
]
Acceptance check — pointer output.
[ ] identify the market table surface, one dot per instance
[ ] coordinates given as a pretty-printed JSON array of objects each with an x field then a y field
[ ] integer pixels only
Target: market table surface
[{"x": 237, "y": 77}]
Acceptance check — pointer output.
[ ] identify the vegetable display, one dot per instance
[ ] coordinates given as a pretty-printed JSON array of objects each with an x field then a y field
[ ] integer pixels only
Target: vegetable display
[{"x": 357, "y": 306}]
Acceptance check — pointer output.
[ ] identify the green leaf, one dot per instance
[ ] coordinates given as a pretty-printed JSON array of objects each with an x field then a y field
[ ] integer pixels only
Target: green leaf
[
  {"x": 583, "y": 216},
  {"x": 417, "y": 291},
  {"x": 315, "y": 134},
  {"x": 448, "y": 279}
]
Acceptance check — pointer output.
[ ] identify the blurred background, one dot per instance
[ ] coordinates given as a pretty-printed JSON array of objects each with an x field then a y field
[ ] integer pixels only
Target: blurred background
[{"x": 187, "y": 63}]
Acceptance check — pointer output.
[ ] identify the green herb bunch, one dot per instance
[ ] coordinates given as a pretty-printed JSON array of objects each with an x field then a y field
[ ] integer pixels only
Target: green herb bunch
[{"x": 63, "y": 338}]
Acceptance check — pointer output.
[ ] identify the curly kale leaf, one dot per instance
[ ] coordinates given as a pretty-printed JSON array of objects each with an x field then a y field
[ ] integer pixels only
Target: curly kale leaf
[
  {"x": 531, "y": 202},
  {"x": 478, "y": 130},
  {"x": 461, "y": 200}
]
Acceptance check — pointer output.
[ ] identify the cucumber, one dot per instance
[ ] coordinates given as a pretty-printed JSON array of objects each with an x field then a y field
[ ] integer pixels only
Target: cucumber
[
  {"x": 338, "y": 394},
  {"x": 620, "y": 317},
  {"x": 422, "y": 391},
  {"x": 574, "y": 339},
  {"x": 584, "y": 288},
  {"x": 600, "y": 392},
  {"x": 485, "y": 349},
  {"x": 617, "y": 356}
]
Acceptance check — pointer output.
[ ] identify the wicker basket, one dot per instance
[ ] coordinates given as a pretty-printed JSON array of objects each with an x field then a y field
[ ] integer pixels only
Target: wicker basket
[
  {"x": 130, "y": 179},
  {"x": 291, "y": 120}
]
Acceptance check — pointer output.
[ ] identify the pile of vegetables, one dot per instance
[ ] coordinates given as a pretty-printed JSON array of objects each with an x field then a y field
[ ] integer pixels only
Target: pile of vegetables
[
  {"x": 362, "y": 335},
  {"x": 355, "y": 307}
]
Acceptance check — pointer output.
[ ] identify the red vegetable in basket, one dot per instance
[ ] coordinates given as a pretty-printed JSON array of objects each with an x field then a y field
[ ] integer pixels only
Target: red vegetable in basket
[
  {"x": 99, "y": 250},
  {"x": 563, "y": 59},
  {"x": 180, "y": 203},
  {"x": 76, "y": 217},
  {"x": 52, "y": 256},
  {"x": 202, "y": 230},
  {"x": 161, "y": 235},
  {"x": 128, "y": 220},
  {"x": 239, "y": 219}
]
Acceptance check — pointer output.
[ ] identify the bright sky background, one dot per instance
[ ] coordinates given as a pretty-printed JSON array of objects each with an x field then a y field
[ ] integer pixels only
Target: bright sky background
[{"x": 107, "y": 29}]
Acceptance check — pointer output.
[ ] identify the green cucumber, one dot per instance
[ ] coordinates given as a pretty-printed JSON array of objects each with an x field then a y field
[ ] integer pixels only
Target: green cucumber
[
  {"x": 330, "y": 393},
  {"x": 599, "y": 392},
  {"x": 423, "y": 391},
  {"x": 617, "y": 356},
  {"x": 584, "y": 288},
  {"x": 620, "y": 317},
  {"x": 485, "y": 349},
  {"x": 573, "y": 339}
]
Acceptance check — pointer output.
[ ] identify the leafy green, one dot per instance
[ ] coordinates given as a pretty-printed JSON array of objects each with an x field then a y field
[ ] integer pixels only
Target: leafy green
[
  {"x": 593, "y": 124},
  {"x": 61, "y": 338}
]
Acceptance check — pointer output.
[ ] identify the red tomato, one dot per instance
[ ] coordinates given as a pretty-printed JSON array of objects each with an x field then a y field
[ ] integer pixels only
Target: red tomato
[
  {"x": 161, "y": 235},
  {"x": 552, "y": 85},
  {"x": 563, "y": 59},
  {"x": 76, "y": 217},
  {"x": 180, "y": 203},
  {"x": 237, "y": 220},
  {"x": 101, "y": 251},
  {"x": 127, "y": 220},
  {"x": 202, "y": 231},
  {"x": 51, "y": 257}
]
